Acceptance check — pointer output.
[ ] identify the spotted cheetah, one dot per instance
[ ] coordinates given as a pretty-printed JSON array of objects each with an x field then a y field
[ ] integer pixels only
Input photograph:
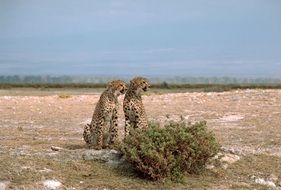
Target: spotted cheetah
[
  {"x": 135, "y": 116},
  {"x": 105, "y": 110}
]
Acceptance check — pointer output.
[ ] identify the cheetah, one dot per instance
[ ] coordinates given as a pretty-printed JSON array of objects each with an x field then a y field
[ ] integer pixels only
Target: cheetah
[
  {"x": 135, "y": 116},
  {"x": 105, "y": 110}
]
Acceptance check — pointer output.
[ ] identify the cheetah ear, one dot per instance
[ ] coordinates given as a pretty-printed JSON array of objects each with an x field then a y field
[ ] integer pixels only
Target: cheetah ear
[
  {"x": 109, "y": 84},
  {"x": 132, "y": 83}
]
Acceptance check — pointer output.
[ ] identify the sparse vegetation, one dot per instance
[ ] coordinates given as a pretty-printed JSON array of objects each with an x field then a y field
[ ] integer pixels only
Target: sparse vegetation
[
  {"x": 170, "y": 151},
  {"x": 176, "y": 83},
  {"x": 155, "y": 87}
]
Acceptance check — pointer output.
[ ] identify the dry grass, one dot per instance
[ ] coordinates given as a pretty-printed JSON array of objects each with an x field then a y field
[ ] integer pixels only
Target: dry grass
[
  {"x": 30, "y": 125},
  {"x": 27, "y": 160}
]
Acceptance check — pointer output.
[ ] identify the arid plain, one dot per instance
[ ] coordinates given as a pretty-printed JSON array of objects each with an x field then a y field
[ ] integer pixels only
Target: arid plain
[{"x": 247, "y": 123}]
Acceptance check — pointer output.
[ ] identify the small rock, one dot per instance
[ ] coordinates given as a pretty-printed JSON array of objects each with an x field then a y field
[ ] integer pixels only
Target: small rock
[
  {"x": 269, "y": 184},
  {"x": 231, "y": 118},
  {"x": 56, "y": 148},
  {"x": 52, "y": 184},
  {"x": 273, "y": 178},
  {"x": 236, "y": 151},
  {"x": 2, "y": 186},
  {"x": 230, "y": 158},
  {"x": 26, "y": 168},
  {"x": 186, "y": 117},
  {"x": 263, "y": 182},
  {"x": 210, "y": 167},
  {"x": 104, "y": 155},
  {"x": 217, "y": 156},
  {"x": 111, "y": 157},
  {"x": 45, "y": 170},
  {"x": 224, "y": 166},
  {"x": 253, "y": 177}
]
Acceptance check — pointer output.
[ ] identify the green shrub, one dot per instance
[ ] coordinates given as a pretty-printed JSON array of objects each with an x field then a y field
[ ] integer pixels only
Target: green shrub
[{"x": 170, "y": 151}]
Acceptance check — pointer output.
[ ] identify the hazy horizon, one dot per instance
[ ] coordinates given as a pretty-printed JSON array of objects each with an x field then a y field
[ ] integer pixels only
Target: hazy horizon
[{"x": 232, "y": 38}]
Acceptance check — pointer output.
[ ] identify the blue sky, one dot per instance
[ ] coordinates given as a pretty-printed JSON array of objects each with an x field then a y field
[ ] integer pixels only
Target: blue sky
[{"x": 238, "y": 38}]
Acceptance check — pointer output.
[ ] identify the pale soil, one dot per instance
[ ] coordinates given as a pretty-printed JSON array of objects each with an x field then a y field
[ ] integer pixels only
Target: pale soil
[{"x": 246, "y": 123}]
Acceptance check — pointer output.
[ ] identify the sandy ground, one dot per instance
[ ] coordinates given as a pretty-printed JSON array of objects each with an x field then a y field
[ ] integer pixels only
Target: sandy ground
[{"x": 247, "y": 123}]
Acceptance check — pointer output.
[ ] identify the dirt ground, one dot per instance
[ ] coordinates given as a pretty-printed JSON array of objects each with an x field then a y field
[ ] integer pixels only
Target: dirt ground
[{"x": 247, "y": 123}]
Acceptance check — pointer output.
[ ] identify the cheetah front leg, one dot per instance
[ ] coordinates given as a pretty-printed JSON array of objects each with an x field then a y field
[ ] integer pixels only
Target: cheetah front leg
[
  {"x": 128, "y": 123},
  {"x": 140, "y": 118},
  {"x": 113, "y": 129},
  {"x": 126, "y": 109}
]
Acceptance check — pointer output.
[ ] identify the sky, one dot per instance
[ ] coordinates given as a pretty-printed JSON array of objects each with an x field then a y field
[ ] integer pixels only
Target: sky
[{"x": 236, "y": 38}]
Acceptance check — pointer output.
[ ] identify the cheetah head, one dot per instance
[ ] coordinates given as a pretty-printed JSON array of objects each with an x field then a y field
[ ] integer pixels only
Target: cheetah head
[
  {"x": 139, "y": 84},
  {"x": 118, "y": 87}
]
